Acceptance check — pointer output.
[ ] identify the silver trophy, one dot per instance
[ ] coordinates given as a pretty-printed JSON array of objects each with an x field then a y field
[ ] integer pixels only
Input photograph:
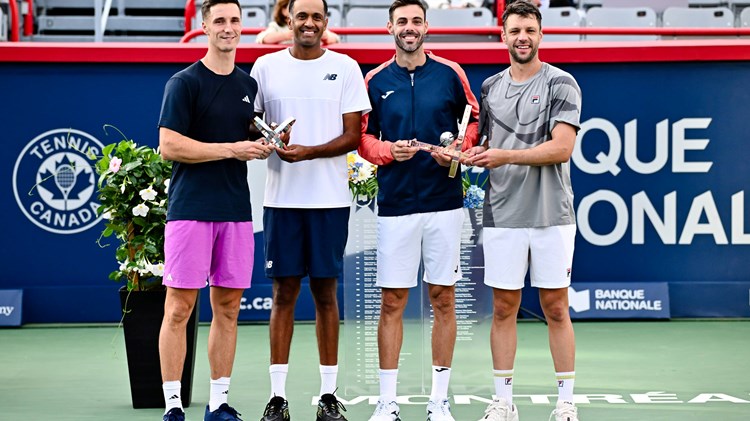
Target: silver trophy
[
  {"x": 273, "y": 136},
  {"x": 460, "y": 141}
]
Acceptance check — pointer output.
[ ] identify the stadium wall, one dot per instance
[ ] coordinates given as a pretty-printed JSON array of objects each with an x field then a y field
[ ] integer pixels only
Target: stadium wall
[{"x": 658, "y": 173}]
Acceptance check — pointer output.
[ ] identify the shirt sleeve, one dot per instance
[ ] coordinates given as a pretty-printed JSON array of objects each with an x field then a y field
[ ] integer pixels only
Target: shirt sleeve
[
  {"x": 371, "y": 147},
  {"x": 354, "y": 93},
  {"x": 566, "y": 102},
  {"x": 256, "y": 73},
  {"x": 176, "y": 111}
]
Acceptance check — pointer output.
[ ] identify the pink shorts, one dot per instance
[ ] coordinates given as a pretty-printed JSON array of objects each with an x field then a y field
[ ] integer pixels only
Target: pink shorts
[{"x": 200, "y": 253}]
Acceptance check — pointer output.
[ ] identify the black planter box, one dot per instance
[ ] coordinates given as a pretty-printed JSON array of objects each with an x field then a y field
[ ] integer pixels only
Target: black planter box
[{"x": 144, "y": 311}]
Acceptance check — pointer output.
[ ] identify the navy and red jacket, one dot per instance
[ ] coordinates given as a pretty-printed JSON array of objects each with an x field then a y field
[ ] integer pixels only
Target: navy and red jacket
[{"x": 419, "y": 105}]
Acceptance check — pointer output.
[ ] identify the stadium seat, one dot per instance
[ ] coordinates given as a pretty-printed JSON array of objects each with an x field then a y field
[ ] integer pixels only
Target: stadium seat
[
  {"x": 367, "y": 17},
  {"x": 254, "y": 17},
  {"x": 370, "y": 3},
  {"x": 587, "y": 4},
  {"x": 567, "y": 17},
  {"x": 3, "y": 26},
  {"x": 630, "y": 17},
  {"x": 334, "y": 18},
  {"x": 745, "y": 18},
  {"x": 707, "y": 3},
  {"x": 465, "y": 17},
  {"x": 706, "y": 17}
]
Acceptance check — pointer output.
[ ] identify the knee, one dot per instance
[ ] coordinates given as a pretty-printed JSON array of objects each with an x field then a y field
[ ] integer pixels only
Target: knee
[
  {"x": 325, "y": 299},
  {"x": 285, "y": 295},
  {"x": 503, "y": 310},
  {"x": 228, "y": 312},
  {"x": 177, "y": 313},
  {"x": 556, "y": 312},
  {"x": 392, "y": 304},
  {"x": 444, "y": 303}
]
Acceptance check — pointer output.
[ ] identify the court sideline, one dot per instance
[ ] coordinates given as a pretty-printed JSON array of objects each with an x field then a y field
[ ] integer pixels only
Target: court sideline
[{"x": 698, "y": 370}]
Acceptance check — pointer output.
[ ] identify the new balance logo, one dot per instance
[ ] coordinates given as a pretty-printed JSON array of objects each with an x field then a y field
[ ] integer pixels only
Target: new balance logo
[
  {"x": 330, "y": 76},
  {"x": 385, "y": 95},
  {"x": 246, "y": 99}
]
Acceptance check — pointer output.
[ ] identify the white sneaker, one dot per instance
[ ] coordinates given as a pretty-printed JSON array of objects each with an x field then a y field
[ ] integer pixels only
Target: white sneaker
[
  {"x": 386, "y": 412},
  {"x": 498, "y": 410},
  {"x": 565, "y": 411},
  {"x": 439, "y": 411}
]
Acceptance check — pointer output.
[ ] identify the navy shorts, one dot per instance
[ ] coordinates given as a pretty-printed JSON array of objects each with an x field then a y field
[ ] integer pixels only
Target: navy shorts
[{"x": 300, "y": 242}]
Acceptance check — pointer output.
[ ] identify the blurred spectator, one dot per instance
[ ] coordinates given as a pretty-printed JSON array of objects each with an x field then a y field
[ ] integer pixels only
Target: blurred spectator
[{"x": 278, "y": 31}]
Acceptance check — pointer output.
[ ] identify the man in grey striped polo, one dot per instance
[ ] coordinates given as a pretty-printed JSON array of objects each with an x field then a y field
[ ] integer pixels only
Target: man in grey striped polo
[{"x": 530, "y": 114}]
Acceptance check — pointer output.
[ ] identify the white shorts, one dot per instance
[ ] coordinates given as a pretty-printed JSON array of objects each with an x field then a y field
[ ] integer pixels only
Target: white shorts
[
  {"x": 508, "y": 253},
  {"x": 434, "y": 238}
]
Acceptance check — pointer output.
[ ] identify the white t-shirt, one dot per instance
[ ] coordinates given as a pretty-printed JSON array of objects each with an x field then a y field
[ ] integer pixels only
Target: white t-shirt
[{"x": 317, "y": 93}]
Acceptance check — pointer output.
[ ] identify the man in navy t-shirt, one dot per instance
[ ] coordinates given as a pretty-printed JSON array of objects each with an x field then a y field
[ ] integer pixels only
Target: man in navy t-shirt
[{"x": 205, "y": 129}]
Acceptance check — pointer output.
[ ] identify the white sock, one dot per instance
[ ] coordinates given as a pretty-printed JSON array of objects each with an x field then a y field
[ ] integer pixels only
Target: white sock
[
  {"x": 172, "y": 395},
  {"x": 441, "y": 376},
  {"x": 565, "y": 383},
  {"x": 328, "y": 374},
  {"x": 219, "y": 393},
  {"x": 388, "y": 382},
  {"x": 504, "y": 385},
  {"x": 278, "y": 379}
]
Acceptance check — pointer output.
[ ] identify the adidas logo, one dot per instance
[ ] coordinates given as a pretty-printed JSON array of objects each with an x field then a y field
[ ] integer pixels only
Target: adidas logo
[
  {"x": 169, "y": 277},
  {"x": 246, "y": 99},
  {"x": 174, "y": 397}
]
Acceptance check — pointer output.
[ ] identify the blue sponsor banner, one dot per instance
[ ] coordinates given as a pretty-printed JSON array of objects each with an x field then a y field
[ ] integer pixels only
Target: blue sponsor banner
[
  {"x": 11, "y": 307},
  {"x": 658, "y": 174},
  {"x": 619, "y": 300}
]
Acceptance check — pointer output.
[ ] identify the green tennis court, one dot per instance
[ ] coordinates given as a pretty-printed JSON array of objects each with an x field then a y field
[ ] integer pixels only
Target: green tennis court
[{"x": 678, "y": 370}]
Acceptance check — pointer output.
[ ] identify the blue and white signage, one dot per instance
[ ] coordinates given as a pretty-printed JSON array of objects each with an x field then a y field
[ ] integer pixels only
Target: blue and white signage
[
  {"x": 54, "y": 181},
  {"x": 621, "y": 300},
  {"x": 11, "y": 307}
]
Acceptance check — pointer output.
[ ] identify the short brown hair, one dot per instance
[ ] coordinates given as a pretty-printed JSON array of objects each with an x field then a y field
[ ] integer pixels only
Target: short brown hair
[
  {"x": 208, "y": 4},
  {"x": 524, "y": 9},
  {"x": 401, "y": 3}
]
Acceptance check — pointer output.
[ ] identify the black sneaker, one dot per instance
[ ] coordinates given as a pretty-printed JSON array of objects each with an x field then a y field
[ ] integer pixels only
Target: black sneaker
[
  {"x": 222, "y": 413},
  {"x": 328, "y": 408},
  {"x": 276, "y": 410},
  {"x": 174, "y": 414}
]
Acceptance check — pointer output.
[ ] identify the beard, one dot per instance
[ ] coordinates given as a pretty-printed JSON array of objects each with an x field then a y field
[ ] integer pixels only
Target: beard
[
  {"x": 409, "y": 48},
  {"x": 523, "y": 60}
]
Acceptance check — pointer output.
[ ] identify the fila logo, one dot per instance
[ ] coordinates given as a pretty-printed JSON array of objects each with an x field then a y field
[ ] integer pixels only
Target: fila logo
[
  {"x": 246, "y": 99},
  {"x": 384, "y": 96},
  {"x": 330, "y": 76},
  {"x": 535, "y": 99}
]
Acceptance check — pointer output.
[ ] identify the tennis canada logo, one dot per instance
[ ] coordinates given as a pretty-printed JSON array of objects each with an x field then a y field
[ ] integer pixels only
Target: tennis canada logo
[{"x": 54, "y": 181}]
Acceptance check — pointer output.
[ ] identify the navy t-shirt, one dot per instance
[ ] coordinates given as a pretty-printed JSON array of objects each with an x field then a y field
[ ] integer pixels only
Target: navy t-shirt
[{"x": 211, "y": 108}]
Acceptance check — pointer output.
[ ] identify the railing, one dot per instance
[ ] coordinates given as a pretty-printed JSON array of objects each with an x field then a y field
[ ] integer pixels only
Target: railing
[
  {"x": 497, "y": 30},
  {"x": 189, "y": 15},
  {"x": 28, "y": 22},
  {"x": 13, "y": 9}
]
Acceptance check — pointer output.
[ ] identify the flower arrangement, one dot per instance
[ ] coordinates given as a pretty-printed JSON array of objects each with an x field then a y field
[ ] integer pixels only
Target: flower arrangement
[
  {"x": 132, "y": 189},
  {"x": 363, "y": 182},
  {"x": 473, "y": 189}
]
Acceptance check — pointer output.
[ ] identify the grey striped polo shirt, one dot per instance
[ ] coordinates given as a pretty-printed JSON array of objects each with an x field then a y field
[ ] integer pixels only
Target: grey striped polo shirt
[{"x": 521, "y": 116}]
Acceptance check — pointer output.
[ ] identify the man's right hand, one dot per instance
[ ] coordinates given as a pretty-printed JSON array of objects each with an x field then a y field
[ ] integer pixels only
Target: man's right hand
[
  {"x": 401, "y": 151},
  {"x": 248, "y": 150}
]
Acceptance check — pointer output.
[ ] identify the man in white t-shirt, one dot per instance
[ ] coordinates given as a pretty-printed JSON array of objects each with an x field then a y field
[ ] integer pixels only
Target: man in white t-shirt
[{"x": 307, "y": 202}]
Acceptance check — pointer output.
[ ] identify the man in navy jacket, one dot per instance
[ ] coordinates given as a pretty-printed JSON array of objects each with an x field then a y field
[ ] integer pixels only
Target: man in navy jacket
[{"x": 416, "y": 95}]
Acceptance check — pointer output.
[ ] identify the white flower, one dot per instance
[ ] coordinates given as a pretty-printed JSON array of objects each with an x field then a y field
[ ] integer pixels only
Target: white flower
[
  {"x": 114, "y": 164},
  {"x": 140, "y": 210},
  {"x": 122, "y": 187},
  {"x": 107, "y": 215},
  {"x": 157, "y": 269},
  {"x": 123, "y": 266},
  {"x": 166, "y": 184},
  {"x": 148, "y": 193}
]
